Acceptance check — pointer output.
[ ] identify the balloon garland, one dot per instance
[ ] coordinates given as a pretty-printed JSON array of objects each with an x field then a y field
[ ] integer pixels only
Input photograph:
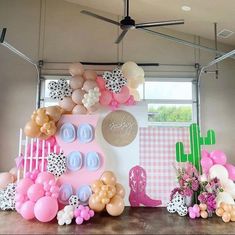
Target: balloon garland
[
  {"x": 43, "y": 122},
  {"x": 120, "y": 85},
  {"x": 85, "y": 93}
]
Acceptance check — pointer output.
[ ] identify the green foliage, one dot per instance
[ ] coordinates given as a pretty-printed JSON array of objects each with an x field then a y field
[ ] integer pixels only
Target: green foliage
[{"x": 170, "y": 114}]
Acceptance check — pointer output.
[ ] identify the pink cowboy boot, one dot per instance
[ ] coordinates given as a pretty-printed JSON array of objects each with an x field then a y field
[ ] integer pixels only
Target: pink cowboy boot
[{"x": 137, "y": 183}]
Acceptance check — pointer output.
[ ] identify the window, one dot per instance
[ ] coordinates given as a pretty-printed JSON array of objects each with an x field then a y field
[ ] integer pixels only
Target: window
[
  {"x": 171, "y": 102},
  {"x": 45, "y": 98}
]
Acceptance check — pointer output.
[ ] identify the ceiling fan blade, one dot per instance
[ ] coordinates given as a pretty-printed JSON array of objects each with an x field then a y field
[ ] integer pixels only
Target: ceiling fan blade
[
  {"x": 99, "y": 17},
  {"x": 121, "y": 36},
  {"x": 159, "y": 23}
]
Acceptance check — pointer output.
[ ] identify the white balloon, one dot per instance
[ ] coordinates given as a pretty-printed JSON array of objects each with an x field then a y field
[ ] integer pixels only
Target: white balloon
[
  {"x": 229, "y": 187},
  {"x": 224, "y": 197},
  {"x": 130, "y": 70},
  {"x": 218, "y": 171}
]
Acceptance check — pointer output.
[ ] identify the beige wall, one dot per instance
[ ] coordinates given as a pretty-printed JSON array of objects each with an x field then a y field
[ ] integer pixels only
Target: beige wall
[{"x": 67, "y": 35}]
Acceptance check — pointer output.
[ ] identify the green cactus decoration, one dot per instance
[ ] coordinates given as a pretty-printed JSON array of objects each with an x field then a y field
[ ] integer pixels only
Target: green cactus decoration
[{"x": 196, "y": 141}]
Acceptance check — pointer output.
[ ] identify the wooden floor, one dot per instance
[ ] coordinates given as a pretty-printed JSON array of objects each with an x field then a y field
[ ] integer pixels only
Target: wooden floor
[{"x": 132, "y": 221}]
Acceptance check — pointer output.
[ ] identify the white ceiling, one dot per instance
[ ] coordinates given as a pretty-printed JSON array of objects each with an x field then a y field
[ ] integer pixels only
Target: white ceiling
[{"x": 199, "y": 21}]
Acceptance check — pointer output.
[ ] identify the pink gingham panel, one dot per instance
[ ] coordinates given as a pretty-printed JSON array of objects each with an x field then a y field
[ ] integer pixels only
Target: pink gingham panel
[{"x": 157, "y": 156}]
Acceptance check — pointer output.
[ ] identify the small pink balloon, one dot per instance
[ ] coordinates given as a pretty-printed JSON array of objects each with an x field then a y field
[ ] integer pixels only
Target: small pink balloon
[
  {"x": 35, "y": 192},
  {"x": 67, "y": 104},
  {"x": 79, "y": 109},
  {"x": 44, "y": 177},
  {"x": 90, "y": 75},
  {"x": 45, "y": 209},
  {"x": 205, "y": 153},
  {"x": 89, "y": 84},
  {"x": 218, "y": 157},
  {"x": 231, "y": 171},
  {"x": 23, "y": 185},
  {"x": 78, "y": 95},
  {"x": 76, "y": 82},
  {"x": 76, "y": 69},
  {"x": 14, "y": 171},
  {"x": 101, "y": 83},
  {"x": 105, "y": 98},
  {"x": 123, "y": 96},
  {"x": 27, "y": 210},
  {"x": 206, "y": 163},
  {"x": 52, "y": 141}
]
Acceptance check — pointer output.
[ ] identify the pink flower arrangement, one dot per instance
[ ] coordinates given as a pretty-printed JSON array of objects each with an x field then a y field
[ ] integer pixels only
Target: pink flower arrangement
[
  {"x": 187, "y": 177},
  {"x": 208, "y": 192}
]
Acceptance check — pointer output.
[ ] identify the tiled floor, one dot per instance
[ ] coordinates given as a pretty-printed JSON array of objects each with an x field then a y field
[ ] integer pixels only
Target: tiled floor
[{"x": 132, "y": 221}]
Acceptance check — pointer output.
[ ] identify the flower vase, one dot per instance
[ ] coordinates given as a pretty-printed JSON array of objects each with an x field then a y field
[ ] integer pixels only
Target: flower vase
[{"x": 189, "y": 201}]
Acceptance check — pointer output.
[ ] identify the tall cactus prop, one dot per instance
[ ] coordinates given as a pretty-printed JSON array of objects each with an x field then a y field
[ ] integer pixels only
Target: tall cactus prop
[{"x": 196, "y": 141}]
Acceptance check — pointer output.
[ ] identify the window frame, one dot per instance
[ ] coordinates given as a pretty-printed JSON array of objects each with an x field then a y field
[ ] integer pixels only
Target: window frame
[{"x": 192, "y": 101}]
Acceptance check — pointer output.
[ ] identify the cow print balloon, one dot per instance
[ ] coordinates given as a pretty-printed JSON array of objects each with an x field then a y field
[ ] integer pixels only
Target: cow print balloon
[
  {"x": 177, "y": 204},
  {"x": 56, "y": 164},
  {"x": 114, "y": 81}
]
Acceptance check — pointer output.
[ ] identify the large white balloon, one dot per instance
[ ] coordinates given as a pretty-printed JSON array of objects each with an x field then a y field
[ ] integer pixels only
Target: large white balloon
[
  {"x": 130, "y": 70},
  {"x": 224, "y": 197},
  {"x": 218, "y": 171},
  {"x": 229, "y": 187}
]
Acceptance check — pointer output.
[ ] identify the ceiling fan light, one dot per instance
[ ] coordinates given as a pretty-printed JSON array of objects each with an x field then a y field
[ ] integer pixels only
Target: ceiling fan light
[{"x": 186, "y": 8}]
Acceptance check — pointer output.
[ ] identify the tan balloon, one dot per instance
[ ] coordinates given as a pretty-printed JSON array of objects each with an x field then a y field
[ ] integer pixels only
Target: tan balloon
[
  {"x": 89, "y": 84},
  {"x": 219, "y": 211},
  {"x": 77, "y": 96},
  {"x": 41, "y": 119},
  {"x": 116, "y": 206},
  {"x": 54, "y": 112},
  {"x": 93, "y": 108},
  {"x": 76, "y": 69},
  {"x": 94, "y": 205},
  {"x": 5, "y": 179},
  {"x": 31, "y": 129},
  {"x": 120, "y": 191},
  {"x": 226, "y": 217},
  {"x": 79, "y": 109},
  {"x": 204, "y": 214},
  {"x": 96, "y": 185},
  {"x": 67, "y": 104},
  {"x": 76, "y": 82},
  {"x": 108, "y": 178},
  {"x": 90, "y": 75}
]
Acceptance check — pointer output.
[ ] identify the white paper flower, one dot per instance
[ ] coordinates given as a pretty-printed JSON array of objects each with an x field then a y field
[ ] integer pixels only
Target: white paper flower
[
  {"x": 60, "y": 89},
  {"x": 65, "y": 216},
  {"x": 91, "y": 98}
]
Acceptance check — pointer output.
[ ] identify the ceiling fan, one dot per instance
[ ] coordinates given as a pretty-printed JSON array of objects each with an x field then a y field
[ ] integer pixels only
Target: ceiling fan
[{"x": 128, "y": 23}]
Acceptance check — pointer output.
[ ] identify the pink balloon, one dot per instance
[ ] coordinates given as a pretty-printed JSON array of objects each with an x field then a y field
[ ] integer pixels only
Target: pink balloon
[
  {"x": 78, "y": 95},
  {"x": 101, "y": 83},
  {"x": 123, "y": 96},
  {"x": 76, "y": 69},
  {"x": 206, "y": 163},
  {"x": 27, "y": 210},
  {"x": 231, "y": 171},
  {"x": 105, "y": 98},
  {"x": 218, "y": 157},
  {"x": 46, "y": 209},
  {"x": 35, "y": 192},
  {"x": 23, "y": 185},
  {"x": 205, "y": 153},
  {"x": 44, "y": 177},
  {"x": 90, "y": 74},
  {"x": 89, "y": 84}
]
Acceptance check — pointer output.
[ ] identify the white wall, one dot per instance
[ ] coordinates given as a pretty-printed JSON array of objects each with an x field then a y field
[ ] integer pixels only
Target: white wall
[{"x": 66, "y": 35}]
